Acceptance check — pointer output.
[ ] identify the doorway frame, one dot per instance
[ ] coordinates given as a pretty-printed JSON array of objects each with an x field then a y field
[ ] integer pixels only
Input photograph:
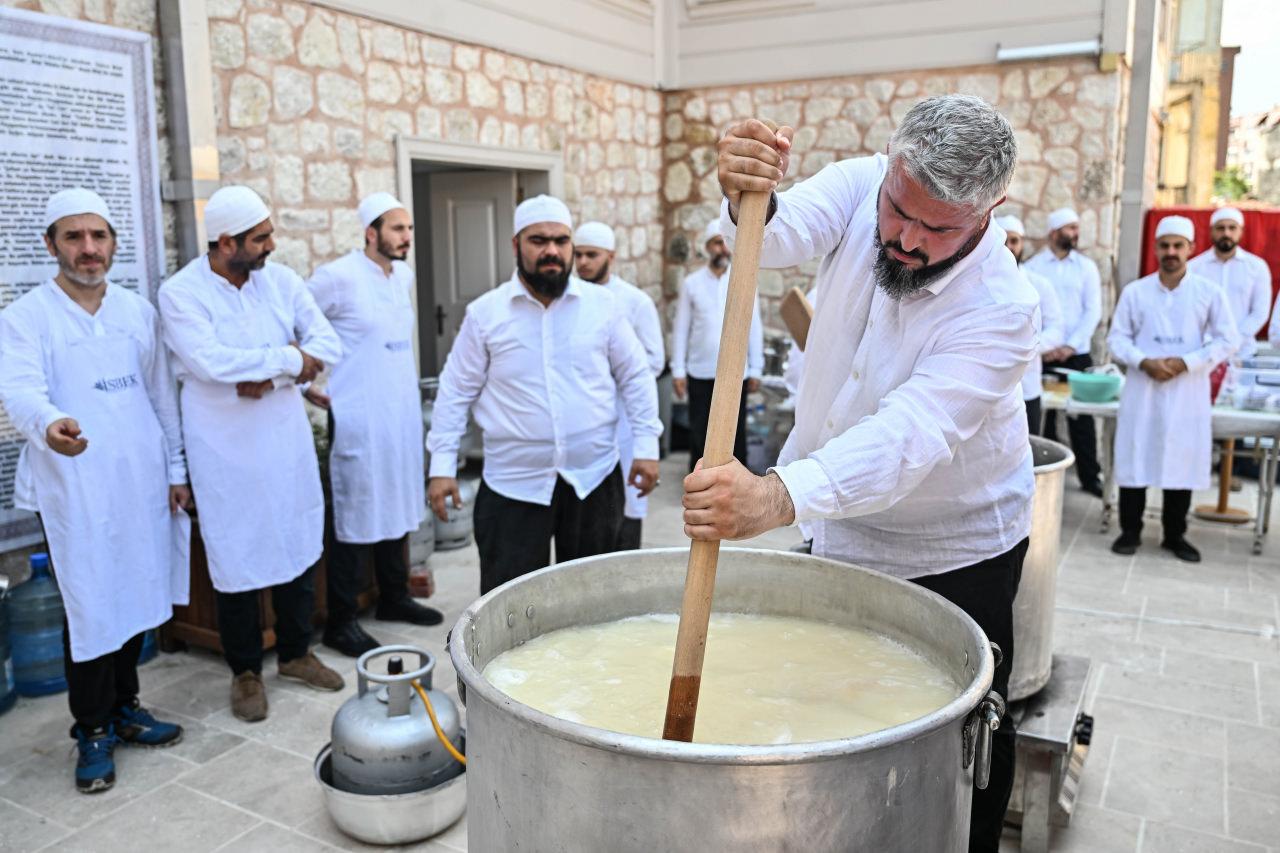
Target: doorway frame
[{"x": 410, "y": 148}]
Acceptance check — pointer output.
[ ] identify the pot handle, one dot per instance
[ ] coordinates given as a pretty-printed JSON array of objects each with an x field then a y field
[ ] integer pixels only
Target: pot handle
[{"x": 989, "y": 713}]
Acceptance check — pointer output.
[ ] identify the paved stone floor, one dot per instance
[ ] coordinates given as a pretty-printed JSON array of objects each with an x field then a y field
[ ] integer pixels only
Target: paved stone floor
[{"x": 1185, "y": 692}]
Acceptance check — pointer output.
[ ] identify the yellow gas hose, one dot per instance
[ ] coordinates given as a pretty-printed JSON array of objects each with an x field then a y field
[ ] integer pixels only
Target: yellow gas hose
[{"x": 444, "y": 739}]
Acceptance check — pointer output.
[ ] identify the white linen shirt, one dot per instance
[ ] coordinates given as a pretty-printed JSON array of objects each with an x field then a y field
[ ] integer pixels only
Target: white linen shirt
[
  {"x": 695, "y": 335},
  {"x": 1246, "y": 279},
  {"x": 1075, "y": 281},
  {"x": 642, "y": 313},
  {"x": 545, "y": 384},
  {"x": 1049, "y": 327},
  {"x": 910, "y": 453},
  {"x": 45, "y": 319}
]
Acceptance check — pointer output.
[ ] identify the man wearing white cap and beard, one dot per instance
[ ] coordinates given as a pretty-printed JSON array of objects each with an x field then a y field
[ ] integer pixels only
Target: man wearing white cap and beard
[
  {"x": 1075, "y": 279},
  {"x": 245, "y": 332},
  {"x": 85, "y": 378},
  {"x": 375, "y": 424},
  {"x": 543, "y": 359},
  {"x": 695, "y": 344},
  {"x": 593, "y": 254},
  {"x": 1048, "y": 321},
  {"x": 1243, "y": 275},
  {"x": 1170, "y": 329}
]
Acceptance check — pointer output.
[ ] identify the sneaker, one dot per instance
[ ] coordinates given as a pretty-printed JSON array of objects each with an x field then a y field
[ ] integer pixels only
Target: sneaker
[
  {"x": 349, "y": 638},
  {"x": 248, "y": 697},
  {"x": 310, "y": 671},
  {"x": 1182, "y": 549},
  {"x": 408, "y": 610},
  {"x": 1127, "y": 544},
  {"x": 96, "y": 765},
  {"x": 135, "y": 725}
]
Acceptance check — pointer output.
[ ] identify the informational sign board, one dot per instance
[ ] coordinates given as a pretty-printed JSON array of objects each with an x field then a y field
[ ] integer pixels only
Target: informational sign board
[{"x": 77, "y": 108}]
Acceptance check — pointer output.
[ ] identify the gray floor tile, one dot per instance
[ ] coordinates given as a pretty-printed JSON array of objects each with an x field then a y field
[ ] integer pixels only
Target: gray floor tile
[
  {"x": 1233, "y": 644},
  {"x": 1252, "y": 601},
  {"x": 1254, "y": 817},
  {"x": 23, "y": 830},
  {"x": 203, "y": 692},
  {"x": 1081, "y": 596},
  {"x": 1097, "y": 830},
  {"x": 169, "y": 818},
  {"x": 200, "y": 742},
  {"x": 1097, "y": 765},
  {"x": 1152, "y": 689},
  {"x": 273, "y": 784},
  {"x": 1162, "y": 838},
  {"x": 1209, "y": 669},
  {"x": 269, "y": 837},
  {"x": 165, "y": 668},
  {"x": 322, "y": 828},
  {"x": 295, "y": 723},
  {"x": 1167, "y": 784},
  {"x": 1269, "y": 695},
  {"x": 1252, "y": 754},
  {"x": 1191, "y": 732}
]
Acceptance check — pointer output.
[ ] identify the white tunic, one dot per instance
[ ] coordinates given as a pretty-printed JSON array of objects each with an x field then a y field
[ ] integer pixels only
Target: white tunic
[
  {"x": 254, "y": 472},
  {"x": 910, "y": 450},
  {"x": 1164, "y": 432},
  {"x": 375, "y": 463},
  {"x": 1049, "y": 328},
  {"x": 545, "y": 384},
  {"x": 642, "y": 313},
  {"x": 695, "y": 334},
  {"x": 1246, "y": 278},
  {"x": 1075, "y": 280},
  {"x": 116, "y": 550}
]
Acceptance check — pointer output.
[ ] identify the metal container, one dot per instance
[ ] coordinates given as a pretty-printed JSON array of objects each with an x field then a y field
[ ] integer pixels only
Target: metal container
[
  {"x": 540, "y": 783},
  {"x": 1033, "y": 608},
  {"x": 35, "y": 632},
  {"x": 8, "y": 691},
  {"x": 456, "y": 532},
  {"x": 392, "y": 818},
  {"x": 383, "y": 741}
]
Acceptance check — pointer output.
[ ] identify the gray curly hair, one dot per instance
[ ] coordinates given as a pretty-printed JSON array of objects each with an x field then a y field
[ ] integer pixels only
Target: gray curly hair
[{"x": 959, "y": 147}]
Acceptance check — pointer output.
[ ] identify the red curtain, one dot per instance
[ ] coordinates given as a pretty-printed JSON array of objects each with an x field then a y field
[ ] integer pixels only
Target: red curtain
[{"x": 1261, "y": 236}]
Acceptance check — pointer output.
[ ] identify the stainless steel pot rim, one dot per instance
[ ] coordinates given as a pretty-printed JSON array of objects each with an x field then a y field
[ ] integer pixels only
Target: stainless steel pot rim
[
  {"x": 702, "y": 753},
  {"x": 1068, "y": 459},
  {"x": 327, "y": 750}
]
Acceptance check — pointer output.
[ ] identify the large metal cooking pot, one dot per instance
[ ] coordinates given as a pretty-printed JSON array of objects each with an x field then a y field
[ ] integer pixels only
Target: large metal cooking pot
[
  {"x": 539, "y": 783},
  {"x": 1033, "y": 608}
]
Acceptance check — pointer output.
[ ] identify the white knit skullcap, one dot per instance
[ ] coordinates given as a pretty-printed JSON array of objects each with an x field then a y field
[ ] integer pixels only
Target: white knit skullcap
[
  {"x": 1062, "y": 216},
  {"x": 377, "y": 205},
  {"x": 1176, "y": 226},
  {"x": 542, "y": 208},
  {"x": 595, "y": 234},
  {"x": 1226, "y": 213},
  {"x": 711, "y": 231},
  {"x": 233, "y": 210},
  {"x": 1011, "y": 225},
  {"x": 75, "y": 201}
]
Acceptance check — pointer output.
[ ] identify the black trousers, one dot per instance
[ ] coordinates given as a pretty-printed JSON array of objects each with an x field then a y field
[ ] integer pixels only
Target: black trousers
[
  {"x": 1084, "y": 438},
  {"x": 240, "y": 623},
  {"x": 96, "y": 688},
  {"x": 345, "y": 575},
  {"x": 514, "y": 537},
  {"x": 986, "y": 591},
  {"x": 700, "y": 412},
  {"x": 1173, "y": 515},
  {"x": 629, "y": 534},
  {"x": 1033, "y": 416}
]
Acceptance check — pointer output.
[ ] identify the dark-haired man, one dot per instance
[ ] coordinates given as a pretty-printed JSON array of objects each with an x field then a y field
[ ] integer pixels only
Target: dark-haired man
[
  {"x": 544, "y": 360},
  {"x": 245, "y": 332}
]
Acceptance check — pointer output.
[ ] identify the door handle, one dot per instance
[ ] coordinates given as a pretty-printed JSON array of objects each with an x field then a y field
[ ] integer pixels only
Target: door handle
[{"x": 440, "y": 315}]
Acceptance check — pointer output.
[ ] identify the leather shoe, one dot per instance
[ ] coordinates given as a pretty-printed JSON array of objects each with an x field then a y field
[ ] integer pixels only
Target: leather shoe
[
  {"x": 1182, "y": 549},
  {"x": 1127, "y": 544},
  {"x": 408, "y": 610},
  {"x": 248, "y": 697},
  {"x": 349, "y": 638}
]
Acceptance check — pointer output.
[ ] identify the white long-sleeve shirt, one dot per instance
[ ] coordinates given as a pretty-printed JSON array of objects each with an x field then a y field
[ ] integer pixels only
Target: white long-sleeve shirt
[
  {"x": 909, "y": 453},
  {"x": 695, "y": 335},
  {"x": 1246, "y": 280},
  {"x": 545, "y": 385},
  {"x": 44, "y": 320},
  {"x": 1049, "y": 326},
  {"x": 1076, "y": 282},
  {"x": 642, "y": 313}
]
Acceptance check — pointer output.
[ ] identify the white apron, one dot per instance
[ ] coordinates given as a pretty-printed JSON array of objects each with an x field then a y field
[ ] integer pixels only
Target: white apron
[
  {"x": 118, "y": 554},
  {"x": 1164, "y": 431},
  {"x": 254, "y": 472},
  {"x": 376, "y": 462}
]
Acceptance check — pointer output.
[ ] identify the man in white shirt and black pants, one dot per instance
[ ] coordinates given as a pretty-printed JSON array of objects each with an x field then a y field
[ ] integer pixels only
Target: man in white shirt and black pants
[
  {"x": 1075, "y": 279},
  {"x": 910, "y": 453},
  {"x": 695, "y": 344},
  {"x": 1243, "y": 276},
  {"x": 593, "y": 246},
  {"x": 1048, "y": 322},
  {"x": 376, "y": 468},
  {"x": 544, "y": 359}
]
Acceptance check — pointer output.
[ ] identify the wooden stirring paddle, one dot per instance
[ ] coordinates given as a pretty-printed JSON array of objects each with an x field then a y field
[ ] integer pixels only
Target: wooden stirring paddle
[{"x": 722, "y": 425}]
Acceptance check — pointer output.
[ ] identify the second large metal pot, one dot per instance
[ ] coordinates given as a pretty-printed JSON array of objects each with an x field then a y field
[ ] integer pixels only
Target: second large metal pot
[{"x": 540, "y": 783}]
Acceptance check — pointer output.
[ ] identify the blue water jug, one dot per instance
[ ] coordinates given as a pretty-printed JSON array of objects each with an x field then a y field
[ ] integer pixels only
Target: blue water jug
[
  {"x": 35, "y": 632},
  {"x": 8, "y": 691}
]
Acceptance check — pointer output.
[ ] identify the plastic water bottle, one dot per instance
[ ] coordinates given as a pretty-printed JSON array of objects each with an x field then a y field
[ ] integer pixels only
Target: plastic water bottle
[
  {"x": 8, "y": 691},
  {"x": 35, "y": 632}
]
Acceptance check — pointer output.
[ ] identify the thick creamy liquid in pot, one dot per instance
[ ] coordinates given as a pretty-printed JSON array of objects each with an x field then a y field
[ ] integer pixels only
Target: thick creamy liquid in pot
[{"x": 765, "y": 680}]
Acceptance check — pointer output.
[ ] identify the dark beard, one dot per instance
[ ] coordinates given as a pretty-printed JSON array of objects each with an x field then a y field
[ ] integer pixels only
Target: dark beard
[
  {"x": 898, "y": 280},
  {"x": 1225, "y": 244},
  {"x": 245, "y": 265},
  {"x": 550, "y": 285},
  {"x": 600, "y": 278},
  {"x": 388, "y": 250},
  {"x": 719, "y": 261},
  {"x": 1065, "y": 243}
]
